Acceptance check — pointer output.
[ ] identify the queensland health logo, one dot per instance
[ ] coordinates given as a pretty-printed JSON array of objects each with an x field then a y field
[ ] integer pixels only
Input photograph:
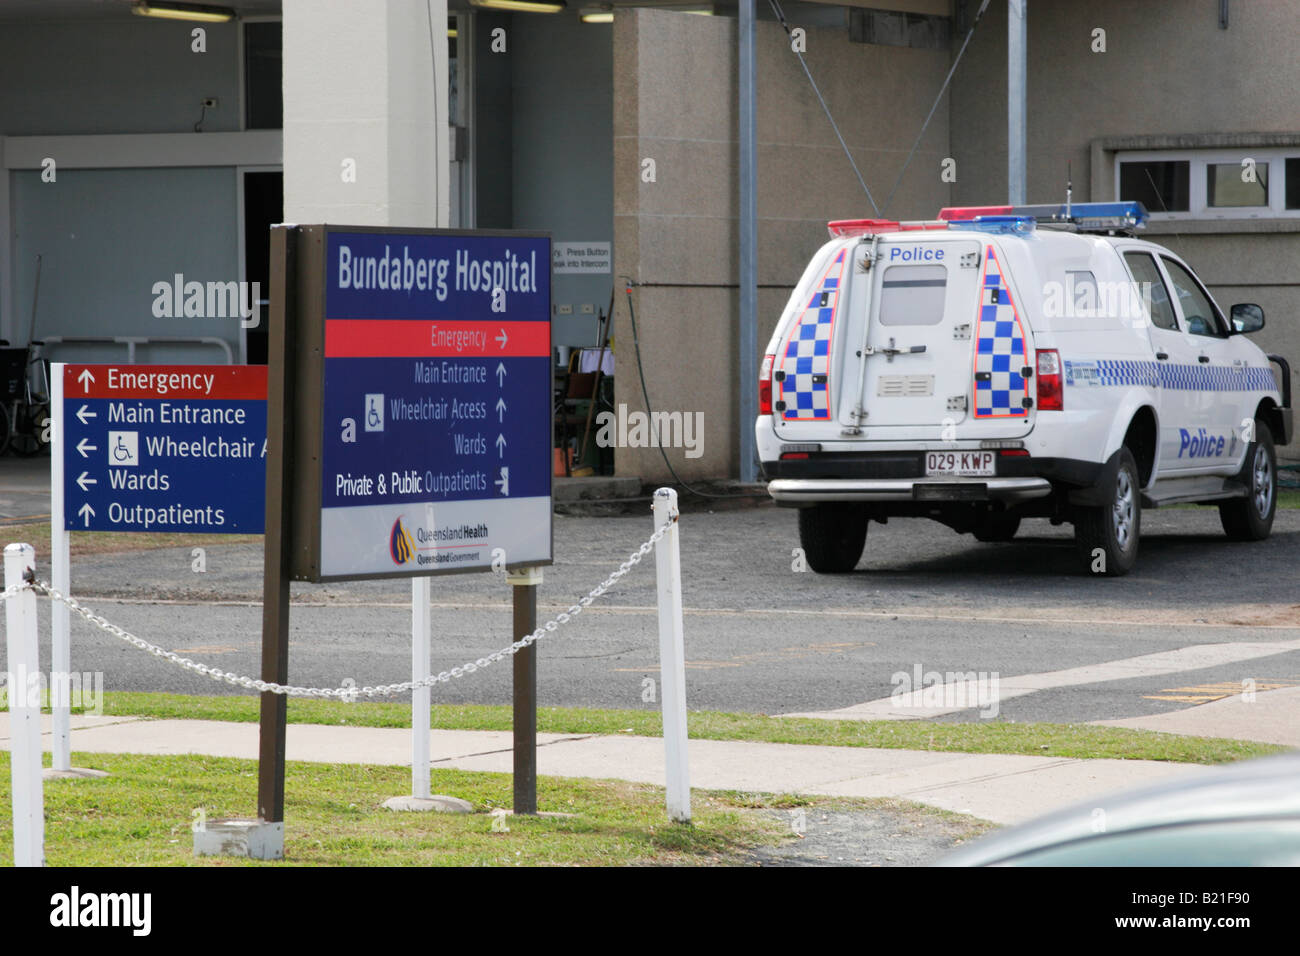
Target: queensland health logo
[{"x": 400, "y": 545}]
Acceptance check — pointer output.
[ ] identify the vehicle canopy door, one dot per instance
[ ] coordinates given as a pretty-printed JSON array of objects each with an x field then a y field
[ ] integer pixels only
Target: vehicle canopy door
[{"x": 915, "y": 324}]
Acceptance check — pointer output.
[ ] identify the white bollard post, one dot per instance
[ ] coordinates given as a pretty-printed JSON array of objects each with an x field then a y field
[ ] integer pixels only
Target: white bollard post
[
  {"x": 24, "y": 711},
  {"x": 672, "y": 658},
  {"x": 421, "y": 697},
  {"x": 60, "y": 576}
]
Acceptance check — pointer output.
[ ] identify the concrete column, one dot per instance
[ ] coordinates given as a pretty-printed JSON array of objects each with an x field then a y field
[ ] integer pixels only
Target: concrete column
[
  {"x": 365, "y": 112},
  {"x": 1017, "y": 83}
]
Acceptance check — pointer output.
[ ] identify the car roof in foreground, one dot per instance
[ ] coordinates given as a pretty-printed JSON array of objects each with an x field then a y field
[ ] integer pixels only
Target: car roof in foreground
[{"x": 1263, "y": 789}]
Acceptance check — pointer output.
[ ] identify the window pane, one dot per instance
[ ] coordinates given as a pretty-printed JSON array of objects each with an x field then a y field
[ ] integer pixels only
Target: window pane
[
  {"x": 913, "y": 295},
  {"x": 1198, "y": 311},
  {"x": 1293, "y": 184},
  {"x": 1081, "y": 294},
  {"x": 262, "y": 75},
  {"x": 1160, "y": 186},
  {"x": 1232, "y": 184},
  {"x": 1147, "y": 276}
]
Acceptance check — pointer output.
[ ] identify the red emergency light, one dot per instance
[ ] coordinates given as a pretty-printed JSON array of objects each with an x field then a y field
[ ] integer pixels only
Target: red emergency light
[
  {"x": 843, "y": 228},
  {"x": 950, "y": 213}
]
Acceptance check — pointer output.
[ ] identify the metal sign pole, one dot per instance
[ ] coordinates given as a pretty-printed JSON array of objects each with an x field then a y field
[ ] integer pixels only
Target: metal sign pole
[
  {"x": 524, "y": 585},
  {"x": 60, "y": 576}
]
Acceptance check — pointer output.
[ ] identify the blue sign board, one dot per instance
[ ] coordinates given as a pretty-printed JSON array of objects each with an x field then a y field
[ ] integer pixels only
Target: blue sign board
[
  {"x": 179, "y": 448},
  {"x": 436, "y": 406}
]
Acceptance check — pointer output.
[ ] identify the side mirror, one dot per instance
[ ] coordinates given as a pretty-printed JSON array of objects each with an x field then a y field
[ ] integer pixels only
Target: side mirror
[{"x": 1247, "y": 317}]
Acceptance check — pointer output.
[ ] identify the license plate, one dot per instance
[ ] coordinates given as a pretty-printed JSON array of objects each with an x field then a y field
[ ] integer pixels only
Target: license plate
[{"x": 960, "y": 464}]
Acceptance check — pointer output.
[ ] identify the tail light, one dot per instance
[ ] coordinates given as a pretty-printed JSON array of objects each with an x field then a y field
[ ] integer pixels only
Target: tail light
[
  {"x": 765, "y": 385},
  {"x": 1051, "y": 397}
]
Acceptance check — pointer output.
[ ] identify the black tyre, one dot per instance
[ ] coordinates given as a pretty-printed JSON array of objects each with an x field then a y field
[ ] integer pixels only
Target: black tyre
[
  {"x": 998, "y": 527},
  {"x": 832, "y": 536},
  {"x": 29, "y": 429},
  {"x": 1106, "y": 535},
  {"x": 4, "y": 430},
  {"x": 1251, "y": 518}
]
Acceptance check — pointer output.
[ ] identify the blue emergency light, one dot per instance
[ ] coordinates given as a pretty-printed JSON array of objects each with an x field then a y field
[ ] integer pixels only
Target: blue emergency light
[{"x": 998, "y": 225}]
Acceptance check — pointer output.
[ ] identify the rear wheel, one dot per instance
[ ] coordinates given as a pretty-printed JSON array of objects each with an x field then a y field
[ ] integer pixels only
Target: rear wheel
[
  {"x": 26, "y": 437},
  {"x": 832, "y": 536},
  {"x": 1251, "y": 518},
  {"x": 998, "y": 527},
  {"x": 1106, "y": 535}
]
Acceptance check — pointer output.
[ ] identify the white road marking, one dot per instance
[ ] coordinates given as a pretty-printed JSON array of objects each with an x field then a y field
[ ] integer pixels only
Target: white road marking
[{"x": 950, "y": 697}]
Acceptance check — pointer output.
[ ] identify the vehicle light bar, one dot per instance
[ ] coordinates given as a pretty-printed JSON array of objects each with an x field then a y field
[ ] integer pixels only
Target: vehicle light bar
[{"x": 1087, "y": 216}]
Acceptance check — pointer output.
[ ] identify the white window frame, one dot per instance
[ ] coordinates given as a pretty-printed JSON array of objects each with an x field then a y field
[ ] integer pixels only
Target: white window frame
[{"x": 1198, "y": 161}]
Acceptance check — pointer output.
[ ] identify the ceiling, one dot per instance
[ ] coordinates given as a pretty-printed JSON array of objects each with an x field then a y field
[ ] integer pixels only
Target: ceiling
[{"x": 110, "y": 9}]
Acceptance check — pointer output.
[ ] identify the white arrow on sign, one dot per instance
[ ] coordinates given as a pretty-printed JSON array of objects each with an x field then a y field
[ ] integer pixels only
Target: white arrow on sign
[
  {"x": 86, "y": 513},
  {"x": 501, "y": 445},
  {"x": 503, "y": 338},
  {"x": 501, "y": 409},
  {"x": 84, "y": 479},
  {"x": 504, "y": 481},
  {"x": 501, "y": 374},
  {"x": 83, "y": 413},
  {"x": 85, "y": 378},
  {"x": 83, "y": 448}
]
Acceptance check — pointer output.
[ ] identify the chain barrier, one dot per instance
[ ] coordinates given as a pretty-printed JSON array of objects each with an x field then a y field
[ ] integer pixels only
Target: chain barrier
[{"x": 351, "y": 693}]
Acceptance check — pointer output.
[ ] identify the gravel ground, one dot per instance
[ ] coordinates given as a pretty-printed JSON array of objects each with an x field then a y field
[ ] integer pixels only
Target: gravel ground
[{"x": 890, "y": 835}]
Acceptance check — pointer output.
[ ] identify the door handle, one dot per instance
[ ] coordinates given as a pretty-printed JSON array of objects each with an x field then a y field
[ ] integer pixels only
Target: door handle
[
  {"x": 1203, "y": 359},
  {"x": 1162, "y": 356}
]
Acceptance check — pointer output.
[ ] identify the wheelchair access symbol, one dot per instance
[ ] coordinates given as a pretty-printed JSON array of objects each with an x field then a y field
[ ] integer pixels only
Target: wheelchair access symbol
[
  {"x": 374, "y": 412},
  {"x": 123, "y": 448}
]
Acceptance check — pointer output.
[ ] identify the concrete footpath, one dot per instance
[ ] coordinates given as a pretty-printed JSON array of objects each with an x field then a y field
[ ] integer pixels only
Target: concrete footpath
[{"x": 997, "y": 787}]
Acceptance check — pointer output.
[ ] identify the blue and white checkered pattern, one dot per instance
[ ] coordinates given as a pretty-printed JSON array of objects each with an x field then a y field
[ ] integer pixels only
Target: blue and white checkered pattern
[
  {"x": 805, "y": 390},
  {"x": 1182, "y": 378},
  {"x": 1000, "y": 388}
]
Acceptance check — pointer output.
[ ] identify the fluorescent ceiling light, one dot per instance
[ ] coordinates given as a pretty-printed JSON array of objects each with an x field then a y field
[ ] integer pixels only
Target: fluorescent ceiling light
[
  {"x": 201, "y": 12},
  {"x": 601, "y": 13},
  {"x": 521, "y": 6}
]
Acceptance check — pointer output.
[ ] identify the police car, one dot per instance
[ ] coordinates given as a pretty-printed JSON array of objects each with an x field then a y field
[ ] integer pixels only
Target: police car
[{"x": 1002, "y": 363}]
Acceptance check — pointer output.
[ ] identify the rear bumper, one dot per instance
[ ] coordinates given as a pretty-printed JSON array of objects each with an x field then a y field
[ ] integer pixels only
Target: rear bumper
[{"x": 813, "y": 490}]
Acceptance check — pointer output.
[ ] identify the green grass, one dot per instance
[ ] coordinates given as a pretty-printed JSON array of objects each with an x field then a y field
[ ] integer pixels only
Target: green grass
[
  {"x": 141, "y": 815},
  {"x": 985, "y": 736}
]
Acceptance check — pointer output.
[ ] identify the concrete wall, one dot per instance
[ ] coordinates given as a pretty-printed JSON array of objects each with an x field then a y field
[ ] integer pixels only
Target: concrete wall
[
  {"x": 105, "y": 237},
  {"x": 675, "y": 91},
  {"x": 1168, "y": 69},
  {"x": 115, "y": 76}
]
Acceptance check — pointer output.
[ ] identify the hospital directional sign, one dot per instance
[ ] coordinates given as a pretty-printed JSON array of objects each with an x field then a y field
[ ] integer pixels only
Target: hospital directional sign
[
  {"x": 179, "y": 448},
  {"x": 435, "y": 406}
]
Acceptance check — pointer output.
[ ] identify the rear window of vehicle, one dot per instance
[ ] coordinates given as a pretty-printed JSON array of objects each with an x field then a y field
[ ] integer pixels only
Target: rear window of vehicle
[{"x": 913, "y": 295}]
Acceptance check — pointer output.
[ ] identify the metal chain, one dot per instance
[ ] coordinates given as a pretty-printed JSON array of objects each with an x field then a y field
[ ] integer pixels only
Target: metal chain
[{"x": 352, "y": 693}]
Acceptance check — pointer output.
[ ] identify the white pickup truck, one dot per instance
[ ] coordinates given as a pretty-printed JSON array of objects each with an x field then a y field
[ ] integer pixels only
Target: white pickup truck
[{"x": 1001, "y": 363}]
